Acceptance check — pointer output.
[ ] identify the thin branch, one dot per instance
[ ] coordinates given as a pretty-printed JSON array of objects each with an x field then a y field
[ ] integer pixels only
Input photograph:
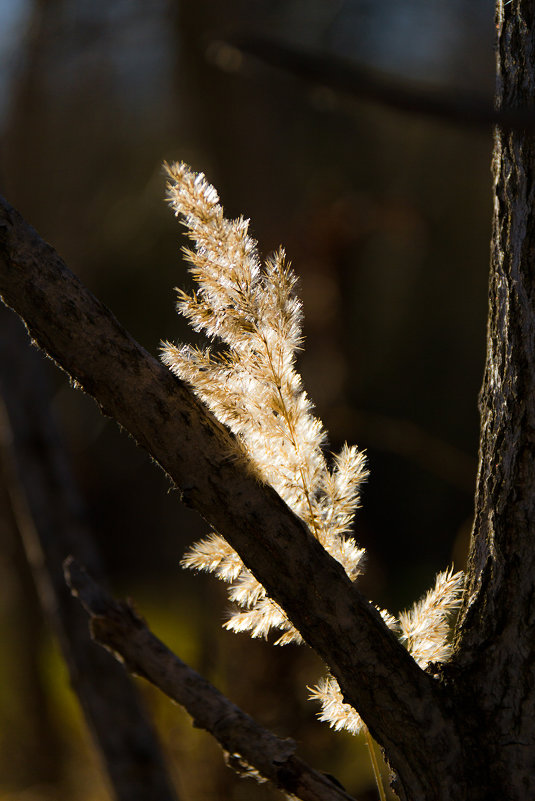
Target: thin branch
[
  {"x": 401, "y": 704},
  {"x": 51, "y": 522},
  {"x": 340, "y": 75},
  {"x": 249, "y": 747}
]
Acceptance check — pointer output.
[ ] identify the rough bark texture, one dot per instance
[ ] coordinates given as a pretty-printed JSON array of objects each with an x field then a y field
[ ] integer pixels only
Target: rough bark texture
[
  {"x": 495, "y": 661},
  {"x": 403, "y": 707}
]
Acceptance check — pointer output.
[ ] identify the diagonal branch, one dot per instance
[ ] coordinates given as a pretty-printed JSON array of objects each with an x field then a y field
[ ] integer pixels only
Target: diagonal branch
[
  {"x": 341, "y": 75},
  {"x": 249, "y": 747},
  {"x": 400, "y": 703}
]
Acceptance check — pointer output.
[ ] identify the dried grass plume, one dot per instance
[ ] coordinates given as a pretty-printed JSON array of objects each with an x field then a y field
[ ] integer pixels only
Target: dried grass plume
[{"x": 249, "y": 312}]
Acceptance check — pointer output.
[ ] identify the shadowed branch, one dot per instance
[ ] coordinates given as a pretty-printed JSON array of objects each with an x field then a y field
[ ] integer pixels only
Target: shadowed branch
[{"x": 249, "y": 747}]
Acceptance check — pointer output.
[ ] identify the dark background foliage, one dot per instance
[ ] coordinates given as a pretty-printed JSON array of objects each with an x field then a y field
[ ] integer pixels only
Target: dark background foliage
[{"x": 386, "y": 219}]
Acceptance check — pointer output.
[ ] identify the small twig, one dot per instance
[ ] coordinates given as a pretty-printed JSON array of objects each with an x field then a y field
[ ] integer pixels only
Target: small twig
[{"x": 250, "y": 748}]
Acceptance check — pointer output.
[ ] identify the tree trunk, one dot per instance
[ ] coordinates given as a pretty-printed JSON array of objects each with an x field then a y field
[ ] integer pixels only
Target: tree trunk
[{"x": 495, "y": 662}]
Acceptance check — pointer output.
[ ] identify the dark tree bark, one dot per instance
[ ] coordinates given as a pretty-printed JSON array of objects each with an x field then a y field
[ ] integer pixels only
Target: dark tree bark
[{"x": 496, "y": 633}]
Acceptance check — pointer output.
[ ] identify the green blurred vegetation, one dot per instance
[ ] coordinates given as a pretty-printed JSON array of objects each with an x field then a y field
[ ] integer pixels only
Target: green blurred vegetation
[{"x": 386, "y": 219}]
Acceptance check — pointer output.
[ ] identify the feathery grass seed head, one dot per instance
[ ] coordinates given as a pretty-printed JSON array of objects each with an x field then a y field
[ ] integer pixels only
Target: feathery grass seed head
[{"x": 247, "y": 377}]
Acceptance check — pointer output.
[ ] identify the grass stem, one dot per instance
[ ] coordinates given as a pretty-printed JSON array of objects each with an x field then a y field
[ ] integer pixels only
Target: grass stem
[{"x": 375, "y": 765}]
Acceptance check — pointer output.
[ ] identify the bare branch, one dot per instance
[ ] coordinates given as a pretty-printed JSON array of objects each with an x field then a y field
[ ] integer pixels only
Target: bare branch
[
  {"x": 51, "y": 522},
  {"x": 249, "y": 747},
  {"x": 401, "y": 704},
  {"x": 471, "y": 110}
]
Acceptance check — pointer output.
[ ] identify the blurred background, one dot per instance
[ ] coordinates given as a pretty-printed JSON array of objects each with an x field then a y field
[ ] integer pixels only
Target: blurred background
[{"x": 385, "y": 216}]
